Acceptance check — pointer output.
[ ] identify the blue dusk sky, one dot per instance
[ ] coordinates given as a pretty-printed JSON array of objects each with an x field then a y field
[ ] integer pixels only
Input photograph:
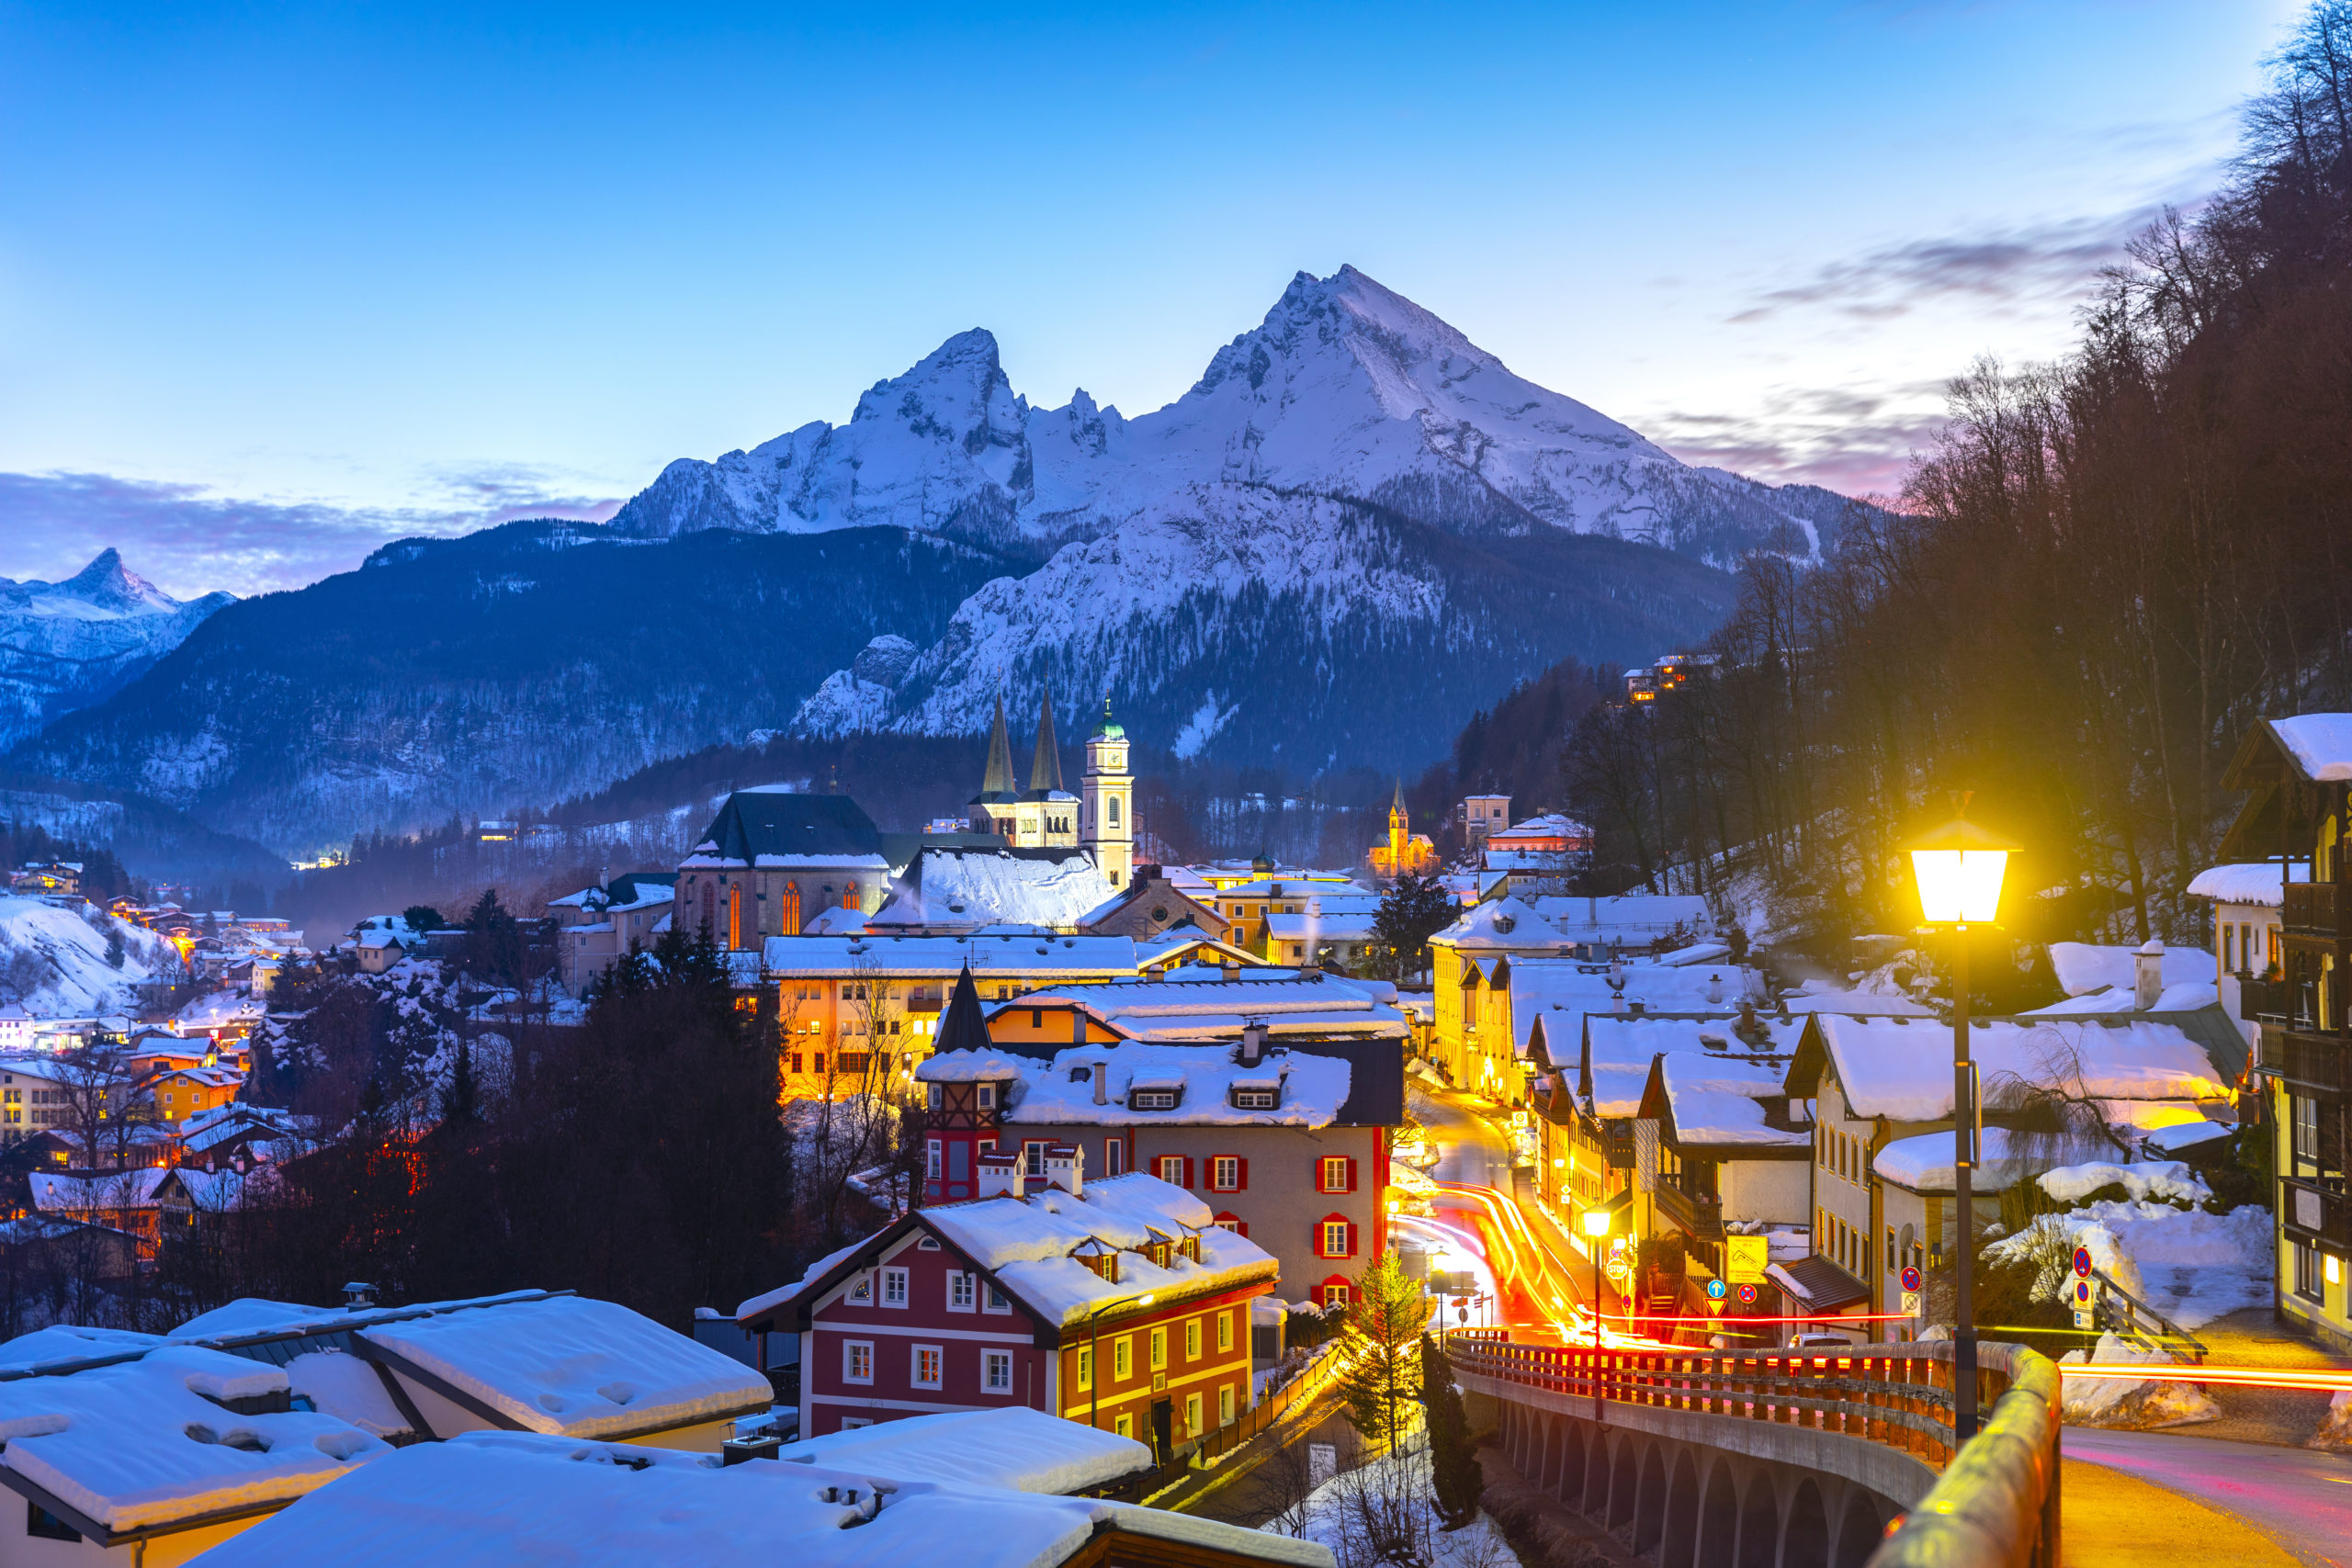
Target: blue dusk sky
[{"x": 276, "y": 284}]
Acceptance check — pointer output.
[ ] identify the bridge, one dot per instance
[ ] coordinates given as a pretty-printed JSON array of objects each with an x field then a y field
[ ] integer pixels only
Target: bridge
[{"x": 1781, "y": 1459}]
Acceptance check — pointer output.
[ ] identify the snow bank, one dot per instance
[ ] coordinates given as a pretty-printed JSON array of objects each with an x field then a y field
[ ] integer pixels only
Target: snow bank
[
  {"x": 252, "y": 1314},
  {"x": 1924, "y": 1163},
  {"x": 573, "y": 1366},
  {"x": 144, "y": 1442},
  {"x": 2191, "y": 1266},
  {"x": 1021, "y": 1449},
  {"x": 64, "y": 1342},
  {"x": 54, "y": 959},
  {"x": 2120, "y": 1402},
  {"x": 2336, "y": 1430}
]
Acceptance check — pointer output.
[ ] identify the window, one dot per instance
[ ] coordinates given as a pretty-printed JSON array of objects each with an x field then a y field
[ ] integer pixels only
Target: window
[
  {"x": 1123, "y": 1357},
  {"x": 994, "y": 1300},
  {"x": 1336, "y": 1173},
  {"x": 996, "y": 1372},
  {"x": 1259, "y": 1098},
  {"x": 933, "y": 1155},
  {"x": 1335, "y": 1236},
  {"x": 959, "y": 1291},
  {"x": 1172, "y": 1169},
  {"x": 1159, "y": 1350},
  {"x": 2229, "y": 949},
  {"x": 1335, "y": 1293},
  {"x": 42, "y": 1525},
  {"x": 1115, "y": 1156},
  {"x": 2310, "y": 1282},
  {"x": 861, "y": 1289},
  {"x": 1225, "y": 1404},
  {"x": 1085, "y": 1369},
  {"x": 1151, "y": 1100},
  {"x": 2305, "y": 1138},
  {"x": 857, "y": 1361},
  {"x": 1224, "y": 1173},
  {"x": 856, "y": 1423},
  {"x": 1224, "y": 1334},
  {"x": 894, "y": 1287},
  {"x": 1193, "y": 1340},
  {"x": 927, "y": 1364},
  {"x": 1193, "y": 1428},
  {"x": 1125, "y": 1425},
  {"x": 987, "y": 1097}
]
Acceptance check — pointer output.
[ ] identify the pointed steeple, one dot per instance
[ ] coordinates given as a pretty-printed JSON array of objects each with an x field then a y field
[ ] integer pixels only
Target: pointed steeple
[
  {"x": 1046, "y": 768},
  {"x": 997, "y": 783},
  {"x": 963, "y": 1028},
  {"x": 1397, "y": 808}
]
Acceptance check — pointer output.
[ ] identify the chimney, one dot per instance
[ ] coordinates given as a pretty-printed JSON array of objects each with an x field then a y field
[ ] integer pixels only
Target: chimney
[
  {"x": 358, "y": 1296},
  {"x": 1232, "y": 971},
  {"x": 1066, "y": 1169},
  {"x": 1101, "y": 1083},
  {"x": 999, "y": 1173},
  {"x": 2147, "y": 974},
  {"x": 1253, "y": 1041},
  {"x": 1714, "y": 989}
]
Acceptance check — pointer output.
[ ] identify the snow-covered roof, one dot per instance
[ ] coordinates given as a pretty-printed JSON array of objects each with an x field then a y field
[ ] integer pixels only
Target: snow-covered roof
[
  {"x": 971, "y": 1066},
  {"x": 492, "y": 1499},
  {"x": 573, "y": 1366},
  {"x": 1717, "y": 1100},
  {"x": 2085, "y": 966},
  {"x": 1892, "y": 1068},
  {"x": 132, "y": 1189},
  {"x": 842, "y": 919},
  {"x": 152, "y": 1442},
  {"x": 1925, "y": 1162},
  {"x": 1563, "y": 992},
  {"x": 1860, "y": 1004},
  {"x": 1044, "y": 957},
  {"x": 1503, "y": 925},
  {"x": 1632, "y": 916},
  {"x": 2321, "y": 744},
  {"x": 2179, "y": 997},
  {"x": 1312, "y": 1089},
  {"x": 1331, "y": 925},
  {"x": 2185, "y": 1135},
  {"x": 1018, "y": 1449},
  {"x": 218, "y": 1010},
  {"x": 2247, "y": 882},
  {"x": 969, "y": 887},
  {"x": 1180, "y": 1007},
  {"x": 62, "y": 1342}
]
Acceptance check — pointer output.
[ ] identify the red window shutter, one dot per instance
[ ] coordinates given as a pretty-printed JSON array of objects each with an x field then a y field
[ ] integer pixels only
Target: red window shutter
[
  {"x": 1351, "y": 1173},
  {"x": 1318, "y": 1229},
  {"x": 1244, "y": 1179},
  {"x": 1242, "y": 1226},
  {"x": 1351, "y": 1238},
  {"x": 1188, "y": 1170}
]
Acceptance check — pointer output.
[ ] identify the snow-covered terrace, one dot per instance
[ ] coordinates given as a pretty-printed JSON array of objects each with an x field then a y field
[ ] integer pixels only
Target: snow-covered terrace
[{"x": 494, "y": 1499}]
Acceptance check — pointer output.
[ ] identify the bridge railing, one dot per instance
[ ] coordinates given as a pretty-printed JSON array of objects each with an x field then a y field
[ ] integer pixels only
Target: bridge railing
[{"x": 1996, "y": 1500}]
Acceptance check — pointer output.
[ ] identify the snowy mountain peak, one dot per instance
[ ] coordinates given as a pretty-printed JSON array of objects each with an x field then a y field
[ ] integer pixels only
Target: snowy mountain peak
[
  {"x": 107, "y": 583},
  {"x": 72, "y": 643}
]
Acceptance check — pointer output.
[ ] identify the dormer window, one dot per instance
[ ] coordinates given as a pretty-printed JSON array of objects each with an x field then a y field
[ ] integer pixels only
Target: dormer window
[
  {"x": 1255, "y": 1098},
  {"x": 1151, "y": 1100}
]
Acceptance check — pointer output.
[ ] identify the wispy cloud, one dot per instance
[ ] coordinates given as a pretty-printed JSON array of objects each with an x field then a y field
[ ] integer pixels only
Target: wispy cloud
[
  {"x": 2015, "y": 265},
  {"x": 190, "y": 540},
  {"x": 1858, "y": 442}
]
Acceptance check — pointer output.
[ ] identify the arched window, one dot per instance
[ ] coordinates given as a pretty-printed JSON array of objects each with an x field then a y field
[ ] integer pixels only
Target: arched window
[
  {"x": 734, "y": 917},
  {"x": 790, "y": 915},
  {"x": 1114, "y": 811},
  {"x": 709, "y": 906},
  {"x": 849, "y": 895}
]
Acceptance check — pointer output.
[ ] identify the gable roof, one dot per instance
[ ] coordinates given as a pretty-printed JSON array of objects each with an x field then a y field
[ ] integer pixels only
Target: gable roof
[
  {"x": 1902, "y": 1070},
  {"x": 770, "y": 827}
]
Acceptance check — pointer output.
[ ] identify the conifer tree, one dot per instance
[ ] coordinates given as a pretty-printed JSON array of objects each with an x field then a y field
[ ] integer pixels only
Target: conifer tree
[
  {"x": 1380, "y": 1363},
  {"x": 1455, "y": 1479}
]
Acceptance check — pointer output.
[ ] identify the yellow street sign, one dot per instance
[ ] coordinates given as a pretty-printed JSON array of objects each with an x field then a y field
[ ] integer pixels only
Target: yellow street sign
[{"x": 1744, "y": 1258}]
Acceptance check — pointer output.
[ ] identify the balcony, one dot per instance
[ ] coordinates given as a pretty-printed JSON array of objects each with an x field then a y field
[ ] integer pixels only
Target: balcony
[
  {"x": 2305, "y": 1058},
  {"x": 2312, "y": 910},
  {"x": 2314, "y": 1215},
  {"x": 2259, "y": 1000},
  {"x": 1701, "y": 1218}
]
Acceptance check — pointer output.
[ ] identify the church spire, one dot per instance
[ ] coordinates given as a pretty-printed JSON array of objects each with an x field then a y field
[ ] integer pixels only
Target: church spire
[
  {"x": 998, "y": 782},
  {"x": 1045, "y": 769},
  {"x": 1397, "y": 808}
]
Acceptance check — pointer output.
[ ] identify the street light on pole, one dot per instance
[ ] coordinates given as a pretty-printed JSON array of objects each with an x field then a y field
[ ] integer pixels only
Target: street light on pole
[
  {"x": 1596, "y": 1228},
  {"x": 1094, "y": 1359},
  {"x": 1960, "y": 867}
]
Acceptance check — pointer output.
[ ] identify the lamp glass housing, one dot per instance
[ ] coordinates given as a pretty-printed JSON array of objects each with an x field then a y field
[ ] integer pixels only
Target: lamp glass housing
[
  {"x": 1959, "y": 886},
  {"x": 1596, "y": 1222}
]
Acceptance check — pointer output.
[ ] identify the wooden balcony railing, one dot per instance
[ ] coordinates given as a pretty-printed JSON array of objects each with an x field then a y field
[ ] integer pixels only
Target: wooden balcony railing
[
  {"x": 2312, "y": 910},
  {"x": 1701, "y": 1218},
  {"x": 2259, "y": 1000},
  {"x": 2315, "y": 1214},
  {"x": 2305, "y": 1056}
]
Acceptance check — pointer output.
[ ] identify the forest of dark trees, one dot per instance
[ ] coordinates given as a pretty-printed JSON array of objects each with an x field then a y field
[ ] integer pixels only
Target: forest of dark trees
[{"x": 2105, "y": 569}]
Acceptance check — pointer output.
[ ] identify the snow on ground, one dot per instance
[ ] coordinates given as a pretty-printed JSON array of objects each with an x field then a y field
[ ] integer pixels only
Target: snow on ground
[
  {"x": 2166, "y": 1179},
  {"x": 2120, "y": 1402},
  {"x": 54, "y": 959},
  {"x": 2191, "y": 1266},
  {"x": 1382, "y": 1512}
]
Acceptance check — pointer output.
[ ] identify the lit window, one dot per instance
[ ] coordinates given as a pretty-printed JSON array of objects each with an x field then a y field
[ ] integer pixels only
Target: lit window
[
  {"x": 1192, "y": 1415},
  {"x": 857, "y": 1361},
  {"x": 1335, "y": 1295},
  {"x": 1225, "y": 1404},
  {"x": 1335, "y": 1173},
  {"x": 927, "y": 1363}
]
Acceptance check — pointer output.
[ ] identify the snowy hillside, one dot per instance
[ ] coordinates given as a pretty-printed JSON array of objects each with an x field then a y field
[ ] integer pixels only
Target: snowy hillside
[
  {"x": 54, "y": 959},
  {"x": 66, "y": 645}
]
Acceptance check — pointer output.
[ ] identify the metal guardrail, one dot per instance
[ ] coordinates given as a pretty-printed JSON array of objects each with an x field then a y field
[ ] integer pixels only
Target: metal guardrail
[{"x": 1996, "y": 1503}]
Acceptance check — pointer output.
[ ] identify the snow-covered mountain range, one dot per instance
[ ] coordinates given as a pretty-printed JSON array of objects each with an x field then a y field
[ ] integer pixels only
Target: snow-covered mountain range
[
  {"x": 67, "y": 645},
  {"x": 1274, "y": 479}
]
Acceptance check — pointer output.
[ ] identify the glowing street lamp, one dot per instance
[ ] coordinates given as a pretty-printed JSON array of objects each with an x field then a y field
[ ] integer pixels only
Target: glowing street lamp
[
  {"x": 1960, "y": 867},
  {"x": 1597, "y": 1224}
]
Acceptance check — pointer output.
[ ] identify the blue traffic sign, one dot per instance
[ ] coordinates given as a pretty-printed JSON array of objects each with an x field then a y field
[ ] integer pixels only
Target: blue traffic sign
[
  {"x": 2083, "y": 1261},
  {"x": 1910, "y": 1279},
  {"x": 1714, "y": 1290}
]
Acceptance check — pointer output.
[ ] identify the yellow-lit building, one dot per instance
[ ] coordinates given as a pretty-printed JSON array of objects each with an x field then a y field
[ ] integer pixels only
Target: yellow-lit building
[{"x": 1407, "y": 853}]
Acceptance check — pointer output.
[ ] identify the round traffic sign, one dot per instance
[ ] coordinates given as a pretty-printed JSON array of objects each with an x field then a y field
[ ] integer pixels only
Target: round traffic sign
[
  {"x": 2083, "y": 1261},
  {"x": 1910, "y": 1279},
  {"x": 1714, "y": 1290},
  {"x": 2082, "y": 1294},
  {"x": 1747, "y": 1296}
]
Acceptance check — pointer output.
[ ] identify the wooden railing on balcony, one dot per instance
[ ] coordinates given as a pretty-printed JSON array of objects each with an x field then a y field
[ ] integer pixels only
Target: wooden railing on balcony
[
  {"x": 1997, "y": 1499},
  {"x": 1699, "y": 1217},
  {"x": 2305, "y": 1056},
  {"x": 2312, "y": 909},
  {"x": 2259, "y": 1000},
  {"x": 2321, "y": 1212}
]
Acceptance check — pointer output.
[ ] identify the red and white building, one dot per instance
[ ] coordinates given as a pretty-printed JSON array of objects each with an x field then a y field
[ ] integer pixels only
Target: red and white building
[{"x": 1120, "y": 1303}]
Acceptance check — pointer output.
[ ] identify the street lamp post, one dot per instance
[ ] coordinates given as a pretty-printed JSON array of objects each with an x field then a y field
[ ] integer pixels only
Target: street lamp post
[
  {"x": 1960, "y": 867},
  {"x": 1596, "y": 1229},
  {"x": 1094, "y": 1359}
]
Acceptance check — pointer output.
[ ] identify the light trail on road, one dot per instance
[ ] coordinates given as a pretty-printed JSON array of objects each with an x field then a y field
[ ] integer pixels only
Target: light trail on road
[{"x": 2323, "y": 1379}]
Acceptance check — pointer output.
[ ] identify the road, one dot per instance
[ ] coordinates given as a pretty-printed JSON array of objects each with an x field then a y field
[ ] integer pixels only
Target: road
[
  {"x": 1471, "y": 1151},
  {"x": 2301, "y": 1497}
]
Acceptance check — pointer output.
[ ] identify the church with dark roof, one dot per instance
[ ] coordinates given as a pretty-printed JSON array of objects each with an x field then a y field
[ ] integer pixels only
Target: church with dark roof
[{"x": 1099, "y": 818}]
